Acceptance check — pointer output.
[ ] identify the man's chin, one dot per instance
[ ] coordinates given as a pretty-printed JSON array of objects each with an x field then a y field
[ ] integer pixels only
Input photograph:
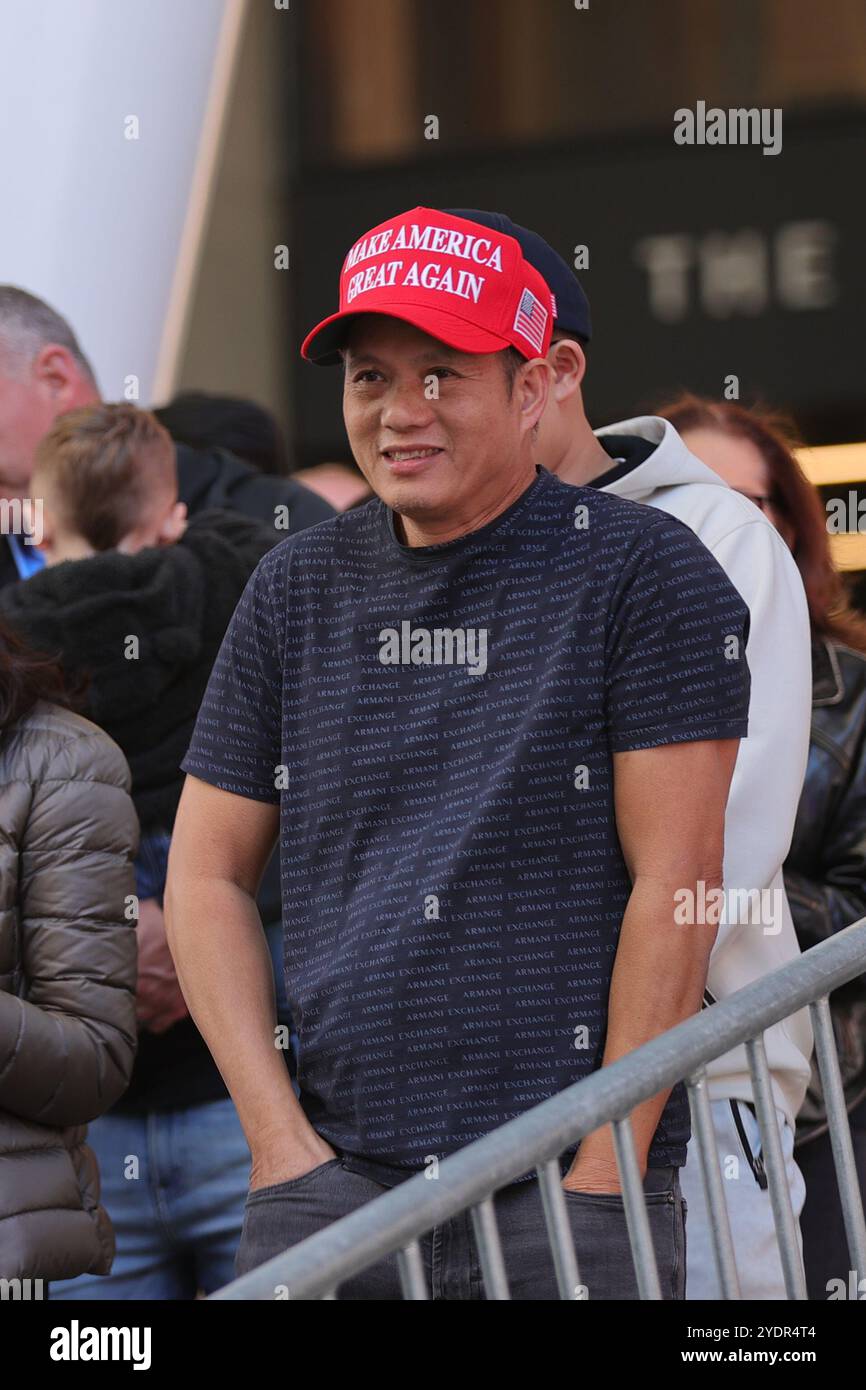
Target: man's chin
[
  {"x": 416, "y": 503},
  {"x": 408, "y": 485}
]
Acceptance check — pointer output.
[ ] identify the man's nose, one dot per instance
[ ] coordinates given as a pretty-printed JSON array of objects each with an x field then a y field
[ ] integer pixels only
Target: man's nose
[{"x": 406, "y": 406}]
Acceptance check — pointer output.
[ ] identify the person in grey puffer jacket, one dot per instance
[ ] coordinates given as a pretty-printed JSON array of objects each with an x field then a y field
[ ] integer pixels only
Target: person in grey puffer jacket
[{"x": 68, "y": 837}]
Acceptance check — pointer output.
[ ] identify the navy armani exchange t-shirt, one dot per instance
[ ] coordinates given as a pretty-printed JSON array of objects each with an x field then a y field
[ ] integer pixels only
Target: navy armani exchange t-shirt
[{"x": 437, "y": 726}]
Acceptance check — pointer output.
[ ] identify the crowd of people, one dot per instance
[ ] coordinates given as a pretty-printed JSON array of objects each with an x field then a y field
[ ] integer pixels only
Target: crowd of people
[{"x": 298, "y": 894}]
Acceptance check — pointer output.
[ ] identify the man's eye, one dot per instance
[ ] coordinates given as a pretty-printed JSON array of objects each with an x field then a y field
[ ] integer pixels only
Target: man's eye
[
  {"x": 442, "y": 371},
  {"x": 368, "y": 375}
]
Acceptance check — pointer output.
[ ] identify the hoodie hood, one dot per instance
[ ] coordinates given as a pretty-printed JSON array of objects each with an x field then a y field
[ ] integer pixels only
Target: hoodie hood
[
  {"x": 215, "y": 478},
  {"x": 670, "y": 465},
  {"x": 144, "y": 629},
  {"x": 673, "y": 479},
  {"x": 210, "y": 477}
]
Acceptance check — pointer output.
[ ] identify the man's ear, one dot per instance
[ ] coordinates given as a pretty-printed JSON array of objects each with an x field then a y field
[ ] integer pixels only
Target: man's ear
[
  {"x": 174, "y": 525},
  {"x": 568, "y": 364},
  {"x": 533, "y": 385},
  {"x": 56, "y": 370}
]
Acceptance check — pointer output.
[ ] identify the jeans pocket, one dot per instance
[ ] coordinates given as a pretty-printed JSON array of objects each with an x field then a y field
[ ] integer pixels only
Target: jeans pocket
[
  {"x": 614, "y": 1200},
  {"x": 599, "y": 1225},
  {"x": 278, "y": 1189}
]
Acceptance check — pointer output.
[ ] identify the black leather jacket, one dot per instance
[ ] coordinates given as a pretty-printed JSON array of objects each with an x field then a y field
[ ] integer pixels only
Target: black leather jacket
[{"x": 825, "y": 872}]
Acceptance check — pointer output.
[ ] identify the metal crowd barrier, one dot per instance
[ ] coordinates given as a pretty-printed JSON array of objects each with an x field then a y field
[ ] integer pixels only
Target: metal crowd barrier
[{"x": 393, "y": 1223}]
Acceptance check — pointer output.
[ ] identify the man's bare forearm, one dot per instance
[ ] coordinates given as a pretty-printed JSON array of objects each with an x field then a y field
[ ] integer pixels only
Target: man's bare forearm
[
  {"x": 658, "y": 980},
  {"x": 224, "y": 967}
]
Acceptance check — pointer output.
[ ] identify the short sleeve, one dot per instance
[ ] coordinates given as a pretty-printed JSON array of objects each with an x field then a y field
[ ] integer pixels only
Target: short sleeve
[
  {"x": 675, "y": 661},
  {"x": 236, "y": 742}
]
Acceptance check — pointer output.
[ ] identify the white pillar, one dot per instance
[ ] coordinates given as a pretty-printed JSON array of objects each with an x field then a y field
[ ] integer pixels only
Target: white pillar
[{"x": 110, "y": 118}]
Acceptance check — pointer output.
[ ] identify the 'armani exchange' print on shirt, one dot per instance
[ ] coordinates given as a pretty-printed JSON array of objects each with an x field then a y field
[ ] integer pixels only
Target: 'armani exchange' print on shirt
[{"x": 453, "y": 883}]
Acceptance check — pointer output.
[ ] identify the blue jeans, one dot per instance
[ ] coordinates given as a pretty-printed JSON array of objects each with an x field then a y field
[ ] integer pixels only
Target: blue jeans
[{"x": 178, "y": 1220}]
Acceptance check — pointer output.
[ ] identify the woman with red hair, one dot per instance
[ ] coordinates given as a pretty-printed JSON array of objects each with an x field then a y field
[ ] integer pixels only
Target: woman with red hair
[{"x": 825, "y": 872}]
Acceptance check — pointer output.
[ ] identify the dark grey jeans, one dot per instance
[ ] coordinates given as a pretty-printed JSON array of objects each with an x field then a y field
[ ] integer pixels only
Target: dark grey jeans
[{"x": 278, "y": 1217}]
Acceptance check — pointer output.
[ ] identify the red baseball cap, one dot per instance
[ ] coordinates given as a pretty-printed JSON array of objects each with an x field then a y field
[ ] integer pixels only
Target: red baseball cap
[{"x": 467, "y": 285}]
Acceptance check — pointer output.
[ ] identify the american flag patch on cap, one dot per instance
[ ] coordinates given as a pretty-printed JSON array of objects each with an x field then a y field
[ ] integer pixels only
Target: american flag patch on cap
[{"x": 530, "y": 321}]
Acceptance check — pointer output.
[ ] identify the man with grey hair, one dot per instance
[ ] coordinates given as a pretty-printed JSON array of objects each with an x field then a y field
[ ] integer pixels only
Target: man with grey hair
[{"x": 44, "y": 373}]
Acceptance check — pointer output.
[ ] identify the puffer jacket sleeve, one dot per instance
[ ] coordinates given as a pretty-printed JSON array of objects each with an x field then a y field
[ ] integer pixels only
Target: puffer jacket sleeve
[{"x": 67, "y": 1046}]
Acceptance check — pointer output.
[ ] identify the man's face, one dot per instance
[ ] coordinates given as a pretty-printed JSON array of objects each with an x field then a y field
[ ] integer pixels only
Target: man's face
[
  {"x": 433, "y": 430},
  {"x": 32, "y": 395},
  {"x": 27, "y": 412}
]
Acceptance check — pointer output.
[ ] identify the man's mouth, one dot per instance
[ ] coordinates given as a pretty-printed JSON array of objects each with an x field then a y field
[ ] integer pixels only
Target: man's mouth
[
  {"x": 401, "y": 455},
  {"x": 409, "y": 460}
]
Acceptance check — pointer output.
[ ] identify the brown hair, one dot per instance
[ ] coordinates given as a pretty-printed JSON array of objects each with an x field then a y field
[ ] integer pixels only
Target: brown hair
[
  {"x": 106, "y": 461},
  {"x": 27, "y": 676},
  {"x": 773, "y": 435}
]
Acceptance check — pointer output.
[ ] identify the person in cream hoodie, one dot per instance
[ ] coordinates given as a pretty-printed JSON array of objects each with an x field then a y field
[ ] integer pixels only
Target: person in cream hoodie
[{"x": 646, "y": 461}]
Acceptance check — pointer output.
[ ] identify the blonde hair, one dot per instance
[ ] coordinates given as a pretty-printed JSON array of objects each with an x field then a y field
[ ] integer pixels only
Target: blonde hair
[{"x": 108, "y": 464}]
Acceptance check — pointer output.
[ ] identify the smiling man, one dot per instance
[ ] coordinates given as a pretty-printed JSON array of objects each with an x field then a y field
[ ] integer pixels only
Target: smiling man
[{"x": 478, "y": 865}]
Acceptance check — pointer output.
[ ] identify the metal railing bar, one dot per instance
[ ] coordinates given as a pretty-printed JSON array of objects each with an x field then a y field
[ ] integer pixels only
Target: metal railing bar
[
  {"x": 490, "y": 1251},
  {"x": 411, "y": 1267},
  {"x": 840, "y": 1136},
  {"x": 714, "y": 1191},
  {"x": 389, "y": 1222},
  {"x": 774, "y": 1166},
  {"x": 637, "y": 1219},
  {"x": 558, "y": 1229}
]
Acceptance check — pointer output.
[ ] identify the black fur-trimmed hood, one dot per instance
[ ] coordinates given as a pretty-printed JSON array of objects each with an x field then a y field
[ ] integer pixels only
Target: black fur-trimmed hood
[{"x": 145, "y": 629}]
